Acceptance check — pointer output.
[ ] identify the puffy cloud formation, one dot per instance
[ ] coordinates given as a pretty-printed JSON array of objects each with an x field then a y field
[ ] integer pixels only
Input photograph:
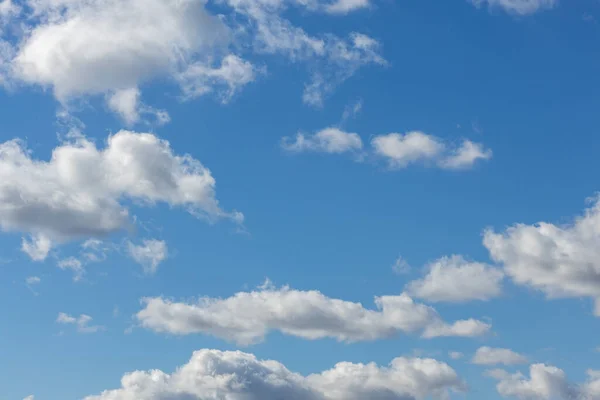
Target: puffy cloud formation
[
  {"x": 545, "y": 383},
  {"x": 82, "y": 323},
  {"x": 111, "y": 47},
  {"x": 561, "y": 261},
  {"x": 86, "y": 47},
  {"x": 490, "y": 356},
  {"x": 454, "y": 279},
  {"x": 247, "y": 317},
  {"x": 79, "y": 192},
  {"x": 149, "y": 254},
  {"x": 417, "y": 147},
  {"x": 329, "y": 140},
  {"x": 519, "y": 7},
  {"x": 398, "y": 150},
  {"x": 217, "y": 375},
  {"x": 127, "y": 104}
]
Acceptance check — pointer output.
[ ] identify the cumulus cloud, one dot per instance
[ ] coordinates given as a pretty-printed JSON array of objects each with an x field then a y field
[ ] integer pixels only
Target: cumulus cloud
[
  {"x": 454, "y": 279},
  {"x": 233, "y": 73},
  {"x": 418, "y": 147},
  {"x": 78, "y": 193},
  {"x": 149, "y": 254},
  {"x": 37, "y": 247},
  {"x": 30, "y": 397},
  {"x": 545, "y": 382},
  {"x": 346, "y": 6},
  {"x": 127, "y": 104},
  {"x": 215, "y": 375},
  {"x": 519, "y": 7},
  {"x": 247, "y": 317},
  {"x": 82, "y": 322},
  {"x": 85, "y": 47},
  {"x": 329, "y": 140},
  {"x": 560, "y": 261},
  {"x": 398, "y": 150},
  {"x": 491, "y": 356},
  {"x": 112, "y": 47}
]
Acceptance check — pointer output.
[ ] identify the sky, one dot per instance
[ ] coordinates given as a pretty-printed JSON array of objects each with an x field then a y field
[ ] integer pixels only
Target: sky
[{"x": 299, "y": 199}]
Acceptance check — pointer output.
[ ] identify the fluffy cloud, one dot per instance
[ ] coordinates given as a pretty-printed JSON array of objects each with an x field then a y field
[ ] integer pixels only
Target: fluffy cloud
[
  {"x": 247, "y": 317},
  {"x": 519, "y": 7},
  {"x": 417, "y": 147},
  {"x": 545, "y": 383},
  {"x": 233, "y": 73},
  {"x": 111, "y": 47},
  {"x": 454, "y": 279},
  {"x": 212, "y": 375},
  {"x": 86, "y": 47},
  {"x": 398, "y": 150},
  {"x": 149, "y": 254},
  {"x": 78, "y": 193},
  {"x": 127, "y": 104},
  {"x": 329, "y": 140},
  {"x": 561, "y": 261},
  {"x": 31, "y": 397},
  {"x": 82, "y": 323},
  {"x": 490, "y": 356}
]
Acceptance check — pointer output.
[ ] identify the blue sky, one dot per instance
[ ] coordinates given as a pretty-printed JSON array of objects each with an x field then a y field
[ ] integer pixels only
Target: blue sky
[{"x": 196, "y": 188}]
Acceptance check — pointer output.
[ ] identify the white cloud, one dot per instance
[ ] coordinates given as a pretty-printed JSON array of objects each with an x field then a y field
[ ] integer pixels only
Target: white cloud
[
  {"x": 456, "y": 355},
  {"x": 418, "y": 147},
  {"x": 465, "y": 156},
  {"x": 78, "y": 193},
  {"x": 519, "y": 7},
  {"x": 328, "y": 140},
  {"x": 247, "y": 317},
  {"x": 216, "y": 375},
  {"x": 82, "y": 322},
  {"x": 491, "y": 356},
  {"x": 346, "y": 6},
  {"x": 149, "y": 254},
  {"x": 127, "y": 104},
  {"x": 233, "y": 73},
  {"x": 454, "y": 279},
  {"x": 37, "y": 247},
  {"x": 95, "y": 46},
  {"x": 342, "y": 59},
  {"x": 401, "y": 266},
  {"x": 30, "y": 397},
  {"x": 546, "y": 382},
  {"x": 561, "y": 261},
  {"x": 74, "y": 265},
  {"x": 109, "y": 47},
  {"x": 351, "y": 111}
]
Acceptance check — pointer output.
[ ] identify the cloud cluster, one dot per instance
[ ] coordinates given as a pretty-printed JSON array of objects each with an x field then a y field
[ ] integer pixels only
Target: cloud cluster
[
  {"x": 79, "y": 193},
  {"x": 398, "y": 150},
  {"x": 216, "y": 375},
  {"x": 545, "y": 382},
  {"x": 247, "y": 317},
  {"x": 82, "y": 323},
  {"x": 560, "y": 261},
  {"x": 454, "y": 279},
  {"x": 112, "y": 47}
]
